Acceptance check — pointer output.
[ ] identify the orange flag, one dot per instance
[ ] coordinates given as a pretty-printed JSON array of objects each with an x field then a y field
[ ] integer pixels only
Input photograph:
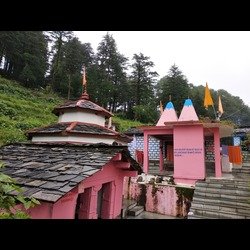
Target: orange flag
[
  {"x": 208, "y": 101},
  {"x": 161, "y": 107},
  {"x": 220, "y": 108}
]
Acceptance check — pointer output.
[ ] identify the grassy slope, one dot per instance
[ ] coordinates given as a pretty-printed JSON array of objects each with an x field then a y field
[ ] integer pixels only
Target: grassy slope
[{"x": 22, "y": 109}]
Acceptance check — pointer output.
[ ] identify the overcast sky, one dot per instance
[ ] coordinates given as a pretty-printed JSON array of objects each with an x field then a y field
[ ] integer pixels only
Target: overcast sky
[{"x": 220, "y": 58}]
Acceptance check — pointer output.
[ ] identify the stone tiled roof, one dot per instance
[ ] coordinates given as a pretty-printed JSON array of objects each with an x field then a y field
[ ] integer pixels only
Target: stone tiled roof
[
  {"x": 48, "y": 171},
  {"x": 78, "y": 128},
  {"x": 239, "y": 130},
  {"x": 133, "y": 131},
  {"x": 82, "y": 104}
]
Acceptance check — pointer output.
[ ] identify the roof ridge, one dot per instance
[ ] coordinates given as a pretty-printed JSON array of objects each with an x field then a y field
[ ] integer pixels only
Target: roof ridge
[{"x": 71, "y": 126}]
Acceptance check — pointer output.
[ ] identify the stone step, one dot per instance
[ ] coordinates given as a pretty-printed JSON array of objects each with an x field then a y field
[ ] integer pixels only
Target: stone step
[
  {"x": 154, "y": 167},
  {"x": 219, "y": 214},
  {"x": 236, "y": 181},
  {"x": 126, "y": 206},
  {"x": 129, "y": 204},
  {"x": 230, "y": 190},
  {"x": 193, "y": 216},
  {"x": 241, "y": 170},
  {"x": 220, "y": 208},
  {"x": 231, "y": 186},
  {"x": 246, "y": 163},
  {"x": 219, "y": 196},
  {"x": 135, "y": 210},
  {"x": 198, "y": 201}
]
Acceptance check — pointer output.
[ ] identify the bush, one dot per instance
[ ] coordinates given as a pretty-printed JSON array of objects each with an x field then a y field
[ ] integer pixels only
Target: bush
[{"x": 8, "y": 201}]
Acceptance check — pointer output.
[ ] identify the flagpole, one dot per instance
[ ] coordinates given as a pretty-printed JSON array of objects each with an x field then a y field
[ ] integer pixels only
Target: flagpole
[
  {"x": 208, "y": 101},
  {"x": 214, "y": 113}
]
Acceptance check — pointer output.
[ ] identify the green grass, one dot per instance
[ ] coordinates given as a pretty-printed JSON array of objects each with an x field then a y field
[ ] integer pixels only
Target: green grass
[
  {"x": 22, "y": 109},
  {"x": 124, "y": 124}
]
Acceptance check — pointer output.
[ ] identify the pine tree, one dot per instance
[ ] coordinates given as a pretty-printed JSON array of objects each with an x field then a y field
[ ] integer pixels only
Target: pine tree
[
  {"x": 58, "y": 39},
  {"x": 24, "y": 56},
  {"x": 142, "y": 81},
  {"x": 176, "y": 85},
  {"x": 112, "y": 76}
]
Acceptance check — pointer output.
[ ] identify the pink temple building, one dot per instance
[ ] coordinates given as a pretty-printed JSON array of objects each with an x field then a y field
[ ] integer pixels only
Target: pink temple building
[{"x": 76, "y": 167}]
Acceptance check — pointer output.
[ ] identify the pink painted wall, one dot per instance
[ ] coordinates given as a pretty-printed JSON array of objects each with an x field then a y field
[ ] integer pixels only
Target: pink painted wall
[
  {"x": 189, "y": 156},
  {"x": 162, "y": 199},
  {"x": 110, "y": 173},
  {"x": 64, "y": 208},
  {"x": 42, "y": 211}
]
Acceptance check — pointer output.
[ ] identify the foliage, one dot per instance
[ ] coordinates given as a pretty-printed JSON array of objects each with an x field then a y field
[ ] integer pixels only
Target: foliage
[
  {"x": 23, "y": 55},
  {"x": 142, "y": 79},
  {"x": 22, "y": 109},
  {"x": 175, "y": 84},
  {"x": 67, "y": 63},
  {"x": 145, "y": 114},
  {"x": 111, "y": 66},
  {"x": 123, "y": 124},
  {"x": 10, "y": 196}
]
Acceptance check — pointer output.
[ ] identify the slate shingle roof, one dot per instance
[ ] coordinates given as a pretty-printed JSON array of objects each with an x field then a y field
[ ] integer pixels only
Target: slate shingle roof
[
  {"x": 82, "y": 104},
  {"x": 133, "y": 131},
  {"x": 48, "y": 171},
  {"x": 78, "y": 128}
]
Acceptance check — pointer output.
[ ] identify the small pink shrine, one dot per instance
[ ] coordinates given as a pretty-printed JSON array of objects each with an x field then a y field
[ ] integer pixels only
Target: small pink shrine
[{"x": 183, "y": 141}]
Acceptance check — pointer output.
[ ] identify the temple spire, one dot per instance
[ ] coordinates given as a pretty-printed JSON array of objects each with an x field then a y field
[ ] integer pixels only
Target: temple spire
[{"x": 84, "y": 85}]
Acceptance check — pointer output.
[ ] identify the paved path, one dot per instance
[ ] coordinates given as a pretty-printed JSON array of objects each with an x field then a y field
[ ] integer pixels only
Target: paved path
[{"x": 148, "y": 215}]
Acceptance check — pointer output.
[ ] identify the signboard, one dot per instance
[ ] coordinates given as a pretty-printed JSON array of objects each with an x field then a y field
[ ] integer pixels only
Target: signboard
[{"x": 180, "y": 152}]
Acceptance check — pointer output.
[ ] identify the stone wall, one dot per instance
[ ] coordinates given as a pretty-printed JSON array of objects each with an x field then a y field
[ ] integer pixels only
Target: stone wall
[
  {"x": 167, "y": 199},
  {"x": 209, "y": 149}
]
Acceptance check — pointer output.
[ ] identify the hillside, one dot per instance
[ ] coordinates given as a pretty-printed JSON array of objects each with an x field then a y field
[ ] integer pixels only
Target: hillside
[{"x": 22, "y": 109}]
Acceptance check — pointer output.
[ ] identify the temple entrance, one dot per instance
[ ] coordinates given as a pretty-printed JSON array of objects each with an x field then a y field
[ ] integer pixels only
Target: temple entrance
[
  {"x": 168, "y": 155},
  {"x": 82, "y": 204},
  {"x": 104, "y": 201},
  {"x": 99, "y": 203}
]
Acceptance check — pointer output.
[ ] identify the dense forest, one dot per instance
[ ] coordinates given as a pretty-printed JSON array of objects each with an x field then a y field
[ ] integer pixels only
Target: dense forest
[{"x": 53, "y": 61}]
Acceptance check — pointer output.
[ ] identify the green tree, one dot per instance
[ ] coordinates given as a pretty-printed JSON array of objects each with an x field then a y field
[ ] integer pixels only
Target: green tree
[
  {"x": 10, "y": 196},
  {"x": 142, "y": 81},
  {"x": 176, "y": 85},
  {"x": 23, "y": 56},
  {"x": 234, "y": 108},
  {"x": 111, "y": 76},
  {"x": 75, "y": 56},
  {"x": 197, "y": 96},
  {"x": 57, "y": 39}
]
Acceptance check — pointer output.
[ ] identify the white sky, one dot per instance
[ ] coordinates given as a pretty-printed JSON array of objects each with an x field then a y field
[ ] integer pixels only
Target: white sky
[{"x": 220, "y": 58}]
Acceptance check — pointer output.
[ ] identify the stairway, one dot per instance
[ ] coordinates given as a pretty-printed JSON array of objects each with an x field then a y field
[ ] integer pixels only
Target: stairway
[
  {"x": 130, "y": 208},
  {"x": 153, "y": 167},
  {"x": 221, "y": 199},
  {"x": 135, "y": 211},
  {"x": 246, "y": 156},
  {"x": 242, "y": 172}
]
